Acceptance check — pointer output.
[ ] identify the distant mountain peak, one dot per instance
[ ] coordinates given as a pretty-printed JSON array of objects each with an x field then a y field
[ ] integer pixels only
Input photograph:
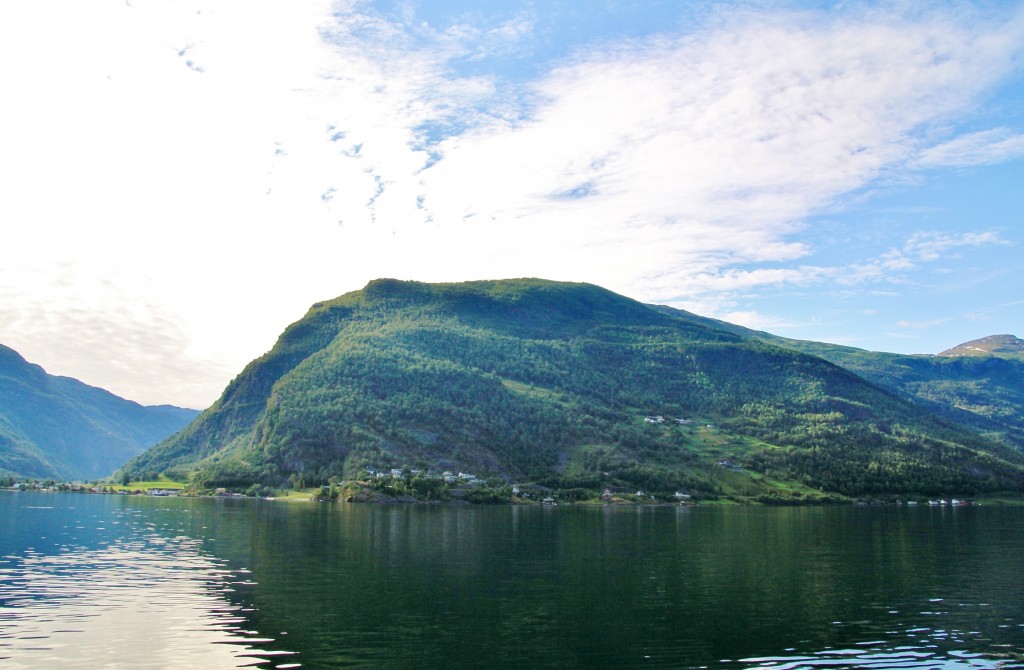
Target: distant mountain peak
[{"x": 995, "y": 345}]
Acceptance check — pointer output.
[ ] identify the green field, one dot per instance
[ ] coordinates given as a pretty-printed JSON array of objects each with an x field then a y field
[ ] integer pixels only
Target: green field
[{"x": 161, "y": 483}]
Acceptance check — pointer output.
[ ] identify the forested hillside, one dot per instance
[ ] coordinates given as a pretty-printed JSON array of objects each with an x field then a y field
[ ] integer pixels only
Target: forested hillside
[
  {"x": 567, "y": 385},
  {"x": 978, "y": 385},
  {"x": 982, "y": 393},
  {"x": 59, "y": 428}
]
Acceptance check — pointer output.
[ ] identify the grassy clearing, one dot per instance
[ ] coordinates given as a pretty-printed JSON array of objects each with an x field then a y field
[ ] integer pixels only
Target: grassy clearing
[
  {"x": 1012, "y": 502},
  {"x": 530, "y": 390},
  {"x": 162, "y": 483},
  {"x": 292, "y": 495},
  {"x": 574, "y": 463}
]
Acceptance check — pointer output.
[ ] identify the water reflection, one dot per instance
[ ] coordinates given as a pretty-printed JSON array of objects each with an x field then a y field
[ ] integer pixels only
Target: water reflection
[
  {"x": 142, "y": 582},
  {"x": 144, "y": 600},
  {"x": 503, "y": 587}
]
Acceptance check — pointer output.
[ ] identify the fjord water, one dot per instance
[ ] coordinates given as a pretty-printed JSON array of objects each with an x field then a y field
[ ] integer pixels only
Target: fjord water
[{"x": 116, "y": 581}]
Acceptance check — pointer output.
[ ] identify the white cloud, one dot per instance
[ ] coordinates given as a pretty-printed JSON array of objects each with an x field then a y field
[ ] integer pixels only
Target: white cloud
[
  {"x": 931, "y": 246},
  {"x": 756, "y": 321},
  {"x": 922, "y": 325},
  {"x": 981, "y": 148},
  {"x": 714, "y": 293},
  {"x": 923, "y": 247},
  {"x": 187, "y": 177},
  {"x": 696, "y": 154}
]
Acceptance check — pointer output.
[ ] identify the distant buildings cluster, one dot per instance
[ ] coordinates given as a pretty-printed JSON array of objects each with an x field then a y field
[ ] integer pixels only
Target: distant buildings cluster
[
  {"x": 657, "y": 418},
  {"x": 447, "y": 476},
  {"x": 77, "y": 487}
]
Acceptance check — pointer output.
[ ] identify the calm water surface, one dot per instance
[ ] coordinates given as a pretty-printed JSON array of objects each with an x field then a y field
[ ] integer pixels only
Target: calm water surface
[{"x": 112, "y": 581}]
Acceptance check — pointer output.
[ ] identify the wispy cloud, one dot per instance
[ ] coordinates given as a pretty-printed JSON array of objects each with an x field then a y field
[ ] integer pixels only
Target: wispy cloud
[
  {"x": 700, "y": 153},
  {"x": 980, "y": 148},
  {"x": 922, "y": 325},
  {"x": 894, "y": 265},
  {"x": 984, "y": 313},
  {"x": 756, "y": 321},
  {"x": 716, "y": 292},
  {"x": 931, "y": 246}
]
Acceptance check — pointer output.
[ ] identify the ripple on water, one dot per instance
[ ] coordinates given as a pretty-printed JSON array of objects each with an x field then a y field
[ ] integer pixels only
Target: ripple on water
[
  {"x": 143, "y": 603},
  {"x": 930, "y": 648}
]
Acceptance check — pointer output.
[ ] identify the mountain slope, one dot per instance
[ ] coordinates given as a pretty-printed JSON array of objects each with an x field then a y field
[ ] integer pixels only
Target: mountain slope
[
  {"x": 984, "y": 394},
  {"x": 59, "y": 428},
  {"x": 530, "y": 379},
  {"x": 981, "y": 390}
]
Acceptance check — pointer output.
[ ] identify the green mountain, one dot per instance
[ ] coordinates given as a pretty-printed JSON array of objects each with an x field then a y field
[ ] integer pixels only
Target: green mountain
[
  {"x": 59, "y": 428},
  {"x": 978, "y": 385},
  {"x": 981, "y": 393},
  {"x": 570, "y": 386}
]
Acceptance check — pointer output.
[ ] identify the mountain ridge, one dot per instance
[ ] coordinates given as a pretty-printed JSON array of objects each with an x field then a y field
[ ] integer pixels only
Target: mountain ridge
[
  {"x": 56, "y": 427},
  {"x": 1004, "y": 345}
]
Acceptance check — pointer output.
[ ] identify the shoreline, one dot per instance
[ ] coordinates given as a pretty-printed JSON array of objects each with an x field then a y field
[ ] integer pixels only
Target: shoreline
[{"x": 945, "y": 502}]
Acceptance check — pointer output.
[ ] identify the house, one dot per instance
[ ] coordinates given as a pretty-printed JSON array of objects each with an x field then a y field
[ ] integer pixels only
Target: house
[
  {"x": 682, "y": 496},
  {"x": 549, "y": 501},
  {"x": 654, "y": 419}
]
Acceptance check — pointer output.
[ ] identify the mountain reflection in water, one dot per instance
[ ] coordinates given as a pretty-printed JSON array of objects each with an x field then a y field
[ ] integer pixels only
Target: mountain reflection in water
[{"x": 143, "y": 582}]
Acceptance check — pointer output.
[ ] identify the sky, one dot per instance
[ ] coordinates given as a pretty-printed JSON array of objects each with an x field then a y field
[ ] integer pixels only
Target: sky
[{"x": 181, "y": 179}]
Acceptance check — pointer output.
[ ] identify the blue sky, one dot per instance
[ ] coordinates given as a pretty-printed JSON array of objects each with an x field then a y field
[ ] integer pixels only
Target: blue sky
[{"x": 182, "y": 179}]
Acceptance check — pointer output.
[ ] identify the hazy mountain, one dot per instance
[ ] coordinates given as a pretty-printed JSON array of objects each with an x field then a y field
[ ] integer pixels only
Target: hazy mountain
[
  {"x": 59, "y": 428},
  {"x": 564, "y": 383},
  {"x": 1003, "y": 346}
]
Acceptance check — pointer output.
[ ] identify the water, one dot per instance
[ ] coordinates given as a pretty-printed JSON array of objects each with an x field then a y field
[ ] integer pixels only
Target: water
[{"x": 111, "y": 581}]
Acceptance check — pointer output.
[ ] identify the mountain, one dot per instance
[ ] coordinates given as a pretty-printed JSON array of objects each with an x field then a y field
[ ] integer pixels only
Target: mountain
[
  {"x": 982, "y": 391},
  {"x": 571, "y": 386},
  {"x": 1003, "y": 346},
  {"x": 59, "y": 428}
]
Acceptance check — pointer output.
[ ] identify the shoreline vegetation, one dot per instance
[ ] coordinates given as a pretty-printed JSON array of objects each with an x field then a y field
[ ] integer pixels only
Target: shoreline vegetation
[{"x": 389, "y": 490}]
